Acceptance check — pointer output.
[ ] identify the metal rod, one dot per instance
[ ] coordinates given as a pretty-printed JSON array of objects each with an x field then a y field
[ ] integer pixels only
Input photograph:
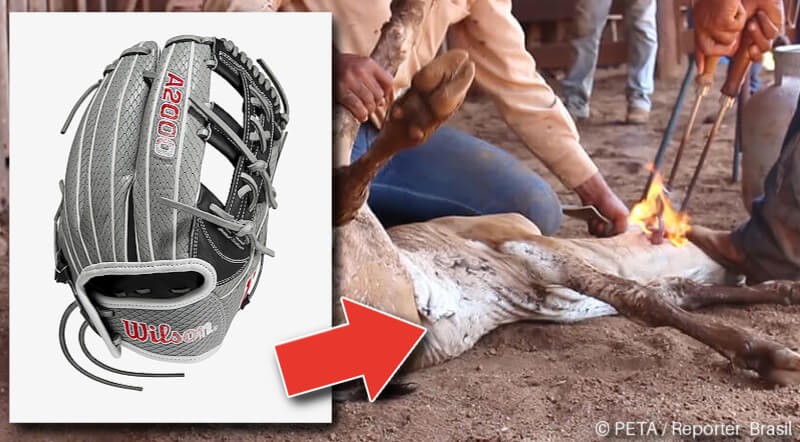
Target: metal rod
[
  {"x": 702, "y": 91},
  {"x": 726, "y": 104},
  {"x": 673, "y": 120},
  {"x": 736, "y": 173}
]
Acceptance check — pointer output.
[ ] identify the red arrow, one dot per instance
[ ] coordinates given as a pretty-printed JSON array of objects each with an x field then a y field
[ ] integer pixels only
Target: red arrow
[{"x": 371, "y": 344}]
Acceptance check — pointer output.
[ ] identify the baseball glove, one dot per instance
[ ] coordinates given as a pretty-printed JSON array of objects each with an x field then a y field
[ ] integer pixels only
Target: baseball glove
[{"x": 157, "y": 263}]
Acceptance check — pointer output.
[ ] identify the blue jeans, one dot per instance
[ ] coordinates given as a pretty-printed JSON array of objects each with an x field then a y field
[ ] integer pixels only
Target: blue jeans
[
  {"x": 770, "y": 239},
  {"x": 590, "y": 20},
  {"x": 456, "y": 174},
  {"x": 755, "y": 81}
]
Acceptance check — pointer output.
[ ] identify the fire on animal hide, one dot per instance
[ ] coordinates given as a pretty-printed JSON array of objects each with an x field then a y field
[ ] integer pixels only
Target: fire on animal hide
[{"x": 657, "y": 218}]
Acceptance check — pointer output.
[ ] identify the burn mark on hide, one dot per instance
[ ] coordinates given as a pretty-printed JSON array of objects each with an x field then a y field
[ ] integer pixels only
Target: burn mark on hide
[{"x": 473, "y": 266}]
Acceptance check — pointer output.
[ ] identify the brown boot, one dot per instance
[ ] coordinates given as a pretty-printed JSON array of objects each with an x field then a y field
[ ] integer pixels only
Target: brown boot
[{"x": 718, "y": 246}]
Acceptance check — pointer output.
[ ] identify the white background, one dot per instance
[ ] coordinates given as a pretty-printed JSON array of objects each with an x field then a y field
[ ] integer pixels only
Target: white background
[{"x": 54, "y": 57}]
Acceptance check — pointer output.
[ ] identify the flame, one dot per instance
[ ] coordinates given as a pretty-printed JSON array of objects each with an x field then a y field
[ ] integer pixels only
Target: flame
[{"x": 647, "y": 212}]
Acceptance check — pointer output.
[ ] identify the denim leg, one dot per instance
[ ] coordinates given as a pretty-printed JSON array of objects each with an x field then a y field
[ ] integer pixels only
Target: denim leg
[
  {"x": 590, "y": 20},
  {"x": 770, "y": 240},
  {"x": 640, "y": 20},
  {"x": 755, "y": 80},
  {"x": 456, "y": 174},
  {"x": 364, "y": 138}
]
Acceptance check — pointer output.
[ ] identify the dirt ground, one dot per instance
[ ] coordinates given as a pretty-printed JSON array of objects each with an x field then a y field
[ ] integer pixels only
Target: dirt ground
[{"x": 543, "y": 381}]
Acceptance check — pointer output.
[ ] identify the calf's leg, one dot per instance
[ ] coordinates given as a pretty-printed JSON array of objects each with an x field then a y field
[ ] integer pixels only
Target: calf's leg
[
  {"x": 651, "y": 306},
  {"x": 692, "y": 296}
]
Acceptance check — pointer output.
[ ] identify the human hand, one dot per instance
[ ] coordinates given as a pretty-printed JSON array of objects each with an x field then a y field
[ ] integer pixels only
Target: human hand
[
  {"x": 765, "y": 24},
  {"x": 596, "y": 192},
  {"x": 361, "y": 85},
  {"x": 720, "y": 26}
]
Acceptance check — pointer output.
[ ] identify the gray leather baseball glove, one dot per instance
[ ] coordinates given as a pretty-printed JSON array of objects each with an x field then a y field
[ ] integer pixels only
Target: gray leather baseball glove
[{"x": 157, "y": 263}]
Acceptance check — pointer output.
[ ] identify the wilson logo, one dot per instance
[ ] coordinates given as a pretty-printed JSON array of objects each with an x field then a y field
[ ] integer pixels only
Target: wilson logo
[
  {"x": 164, "y": 334},
  {"x": 169, "y": 113}
]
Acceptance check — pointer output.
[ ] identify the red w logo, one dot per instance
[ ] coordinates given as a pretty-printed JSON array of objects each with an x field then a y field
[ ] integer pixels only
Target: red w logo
[{"x": 135, "y": 330}]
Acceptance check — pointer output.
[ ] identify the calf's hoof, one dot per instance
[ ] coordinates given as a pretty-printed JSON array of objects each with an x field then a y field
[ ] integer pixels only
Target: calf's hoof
[
  {"x": 435, "y": 94},
  {"x": 773, "y": 362}
]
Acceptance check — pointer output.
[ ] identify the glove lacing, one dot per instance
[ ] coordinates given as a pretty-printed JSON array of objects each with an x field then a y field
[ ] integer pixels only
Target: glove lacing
[
  {"x": 241, "y": 227},
  {"x": 256, "y": 165},
  {"x": 218, "y": 216},
  {"x": 61, "y": 268},
  {"x": 82, "y": 340},
  {"x": 77, "y": 105}
]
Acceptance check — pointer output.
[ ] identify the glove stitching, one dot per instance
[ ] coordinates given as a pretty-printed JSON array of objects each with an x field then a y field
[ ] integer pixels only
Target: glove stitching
[
  {"x": 268, "y": 112},
  {"x": 225, "y": 58},
  {"x": 237, "y": 171},
  {"x": 230, "y": 278},
  {"x": 195, "y": 238},
  {"x": 245, "y": 132},
  {"x": 216, "y": 249}
]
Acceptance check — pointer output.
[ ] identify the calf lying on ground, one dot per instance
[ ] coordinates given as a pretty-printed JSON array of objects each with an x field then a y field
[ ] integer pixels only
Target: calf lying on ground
[{"x": 461, "y": 277}]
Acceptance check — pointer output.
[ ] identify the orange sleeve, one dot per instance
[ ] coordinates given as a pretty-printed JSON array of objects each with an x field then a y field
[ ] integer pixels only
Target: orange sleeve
[{"x": 507, "y": 71}]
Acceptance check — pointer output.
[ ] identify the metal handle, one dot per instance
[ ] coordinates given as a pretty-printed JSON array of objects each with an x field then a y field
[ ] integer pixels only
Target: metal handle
[
  {"x": 706, "y": 77},
  {"x": 738, "y": 69}
]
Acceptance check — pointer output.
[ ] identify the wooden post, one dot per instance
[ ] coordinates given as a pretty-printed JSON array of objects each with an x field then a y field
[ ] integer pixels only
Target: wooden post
[
  {"x": 37, "y": 5},
  {"x": 4, "y": 105},
  {"x": 17, "y": 6},
  {"x": 670, "y": 63},
  {"x": 55, "y": 5}
]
